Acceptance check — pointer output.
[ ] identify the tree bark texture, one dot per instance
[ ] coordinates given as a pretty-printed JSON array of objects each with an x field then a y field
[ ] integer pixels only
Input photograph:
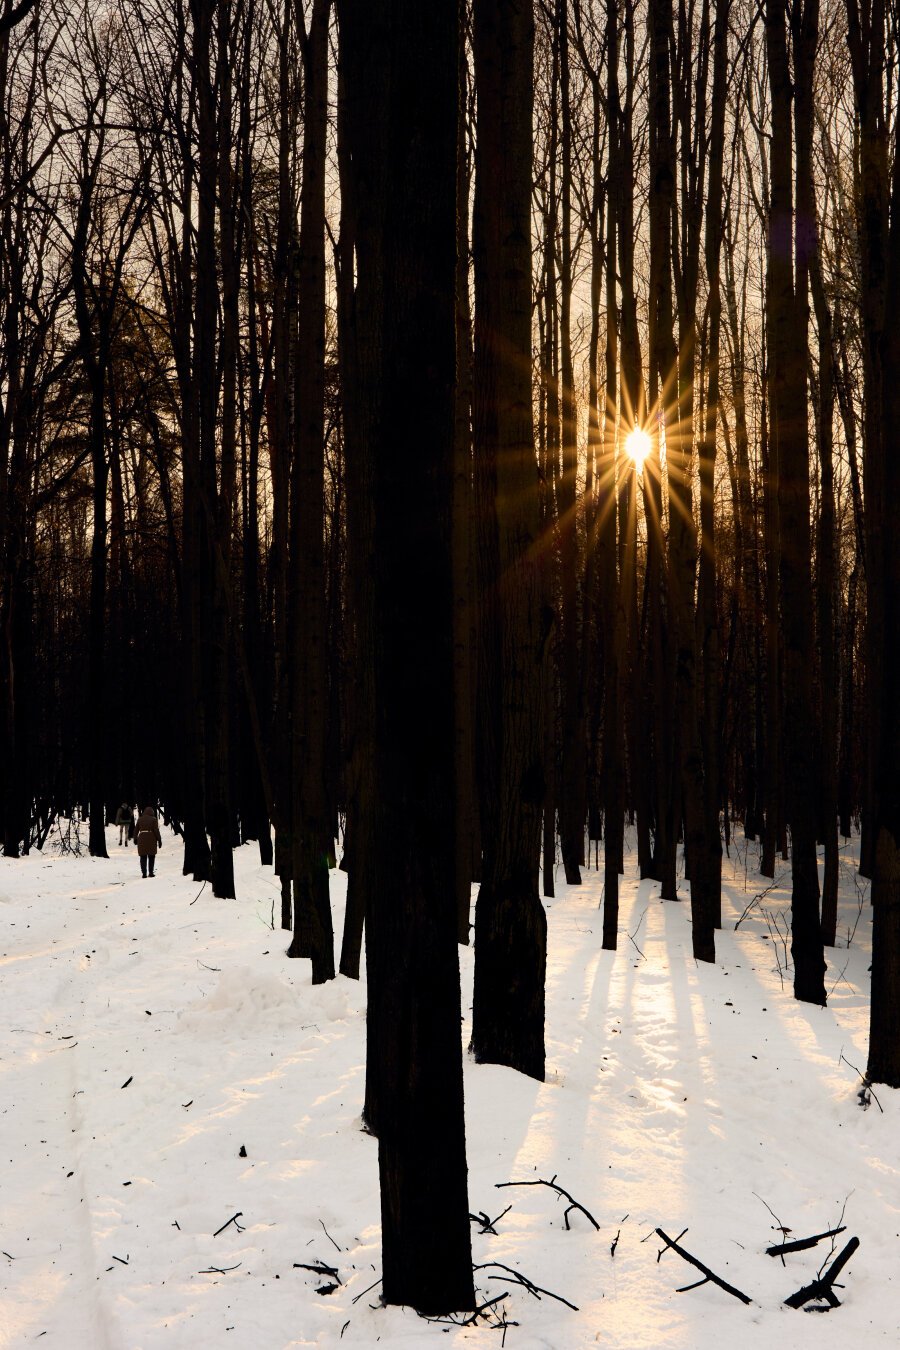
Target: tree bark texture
[
  {"x": 515, "y": 624},
  {"x": 402, "y": 99},
  {"x": 788, "y": 313},
  {"x": 312, "y": 841}
]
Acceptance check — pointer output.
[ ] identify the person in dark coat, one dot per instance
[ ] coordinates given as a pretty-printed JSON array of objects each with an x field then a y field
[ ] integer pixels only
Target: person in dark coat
[
  {"x": 125, "y": 822},
  {"x": 149, "y": 840}
]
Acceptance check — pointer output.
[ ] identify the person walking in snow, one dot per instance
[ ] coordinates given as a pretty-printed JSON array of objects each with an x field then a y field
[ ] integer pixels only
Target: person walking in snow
[
  {"x": 125, "y": 822},
  {"x": 149, "y": 840}
]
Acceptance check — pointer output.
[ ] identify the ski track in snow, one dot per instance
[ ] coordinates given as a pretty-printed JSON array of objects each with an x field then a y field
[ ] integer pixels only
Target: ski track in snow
[{"x": 677, "y": 1096}]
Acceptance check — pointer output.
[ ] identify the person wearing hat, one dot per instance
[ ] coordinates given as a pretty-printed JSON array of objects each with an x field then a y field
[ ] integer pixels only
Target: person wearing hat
[{"x": 149, "y": 840}]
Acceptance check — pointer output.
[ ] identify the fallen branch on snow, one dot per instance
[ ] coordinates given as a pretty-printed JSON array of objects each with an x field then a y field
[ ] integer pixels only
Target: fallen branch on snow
[
  {"x": 487, "y": 1224},
  {"x": 234, "y": 1219},
  {"x": 469, "y": 1319},
  {"x": 802, "y": 1244},
  {"x": 573, "y": 1203},
  {"x": 319, "y": 1268},
  {"x": 534, "y": 1289},
  {"x": 865, "y": 1096},
  {"x": 708, "y": 1275},
  {"x": 822, "y": 1287}
]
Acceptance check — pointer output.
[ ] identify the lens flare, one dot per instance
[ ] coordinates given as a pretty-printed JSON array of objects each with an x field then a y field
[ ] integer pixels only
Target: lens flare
[{"x": 638, "y": 446}]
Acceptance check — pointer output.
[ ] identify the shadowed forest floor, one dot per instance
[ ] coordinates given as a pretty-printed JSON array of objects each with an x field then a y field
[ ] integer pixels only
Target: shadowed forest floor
[{"x": 145, "y": 1040}]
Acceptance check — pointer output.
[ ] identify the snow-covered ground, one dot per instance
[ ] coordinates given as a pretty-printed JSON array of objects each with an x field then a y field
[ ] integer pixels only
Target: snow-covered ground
[{"x": 149, "y": 1035}]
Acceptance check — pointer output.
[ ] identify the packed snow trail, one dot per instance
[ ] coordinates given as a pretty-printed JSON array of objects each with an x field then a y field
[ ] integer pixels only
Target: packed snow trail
[{"x": 145, "y": 1040}]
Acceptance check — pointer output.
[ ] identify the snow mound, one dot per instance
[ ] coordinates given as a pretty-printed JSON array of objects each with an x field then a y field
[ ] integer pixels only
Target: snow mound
[
  {"x": 245, "y": 990},
  {"x": 246, "y": 999},
  {"x": 332, "y": 1003}
]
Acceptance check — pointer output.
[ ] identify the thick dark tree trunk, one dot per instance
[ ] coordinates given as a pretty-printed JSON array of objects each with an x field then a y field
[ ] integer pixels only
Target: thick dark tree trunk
[
  {"x": 825, "y": 593},
  {"x": 510, "y": 924},
  {"x": 711, "y": 722},
  {"x": 613, "y": 796},
  {"x": 279, "y": 421},
  {"x": 463, "y": 517},
  {"x": 788, "y": 313},
  {"x": 572, "y": 786},
  {"x": 884, "y": 1033},
  {"x": 360, "y": 638},
  {"x": 402, "y": 97},
  {"x": 659, "y": 679},
  {"x": 311, "y": 836},
  {"x": 878, "y": 195},
  {"x": 97, "y": 639},
  {"x": 773, "y": 720}
]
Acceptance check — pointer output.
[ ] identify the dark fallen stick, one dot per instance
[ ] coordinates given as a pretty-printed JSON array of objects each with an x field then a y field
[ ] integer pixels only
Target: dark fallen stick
[
  {"x": 534, "y": 1289},
  {"x": 357, "y": 1297},
  {"x": 319, "y": 1268},
  {"x": 710, "y": 1277},
  {"x": 219, "y": 1270},
  {"x": 482, "y": 1308},
  {"x": 573, "y": 1203},
  {"x": 822, "y": 1287},
  {"x": 488, "y": 1224},
  {"x": 234, "y": 1219},
  {"x": 470, "y": 1318},
  {"x": 802, "y": 1244}
]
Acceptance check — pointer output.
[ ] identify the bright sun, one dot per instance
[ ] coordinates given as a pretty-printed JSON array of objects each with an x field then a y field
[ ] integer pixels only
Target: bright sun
[{"x": 638, "y": 446}]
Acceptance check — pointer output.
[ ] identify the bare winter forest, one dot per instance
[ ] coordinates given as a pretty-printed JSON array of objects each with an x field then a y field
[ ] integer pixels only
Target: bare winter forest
[{"x": 446, "y": 438}]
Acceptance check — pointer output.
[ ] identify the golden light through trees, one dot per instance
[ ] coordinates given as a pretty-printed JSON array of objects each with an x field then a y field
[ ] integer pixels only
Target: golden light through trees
[{"x": 638, "y": 446}]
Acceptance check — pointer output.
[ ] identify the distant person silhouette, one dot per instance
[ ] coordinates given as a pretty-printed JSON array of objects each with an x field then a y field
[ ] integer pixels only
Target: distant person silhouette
[
  {"x": 149, "y": 840},
  {"x": 125, "y": 822}
]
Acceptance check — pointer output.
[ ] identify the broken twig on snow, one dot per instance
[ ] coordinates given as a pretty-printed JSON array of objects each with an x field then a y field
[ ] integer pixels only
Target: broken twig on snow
[
  {"x": 234, "y": 1219},
  {"x": 469, "y": 1319},
  {"x": 534, "y": 1289},
  {"x": 573, "y": 1203},
  {"x": 487, "y": 1224},
  {"x": 823, "y": 1286},
  {"x": 357, "y": 1297},
  {"x": 709, "y": 1276},
  {"x": 319, "y": 1268},
  {"x": 803, "y": 1244},
  {"x": 865, "y": 1095}
]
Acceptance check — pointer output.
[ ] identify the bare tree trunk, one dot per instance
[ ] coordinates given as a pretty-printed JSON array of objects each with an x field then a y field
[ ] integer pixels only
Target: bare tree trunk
[
  {"x": 711, "y": 723},
  {"x": 879, "y": 235},
  {"x": 510, "y": 924},
  {"x": 788, "y": 308},
  {"x": 613, "y": 639},
  {"x": 312, "y": 841},
  {"x": 572, "y": 787},
  {"x": 279, "y": 419},
  {"x": 360, "y": 695},
  {"x": 463, "y": 517},
  {"x": 402, "y": 95},
  {"x": 825, "y": 593}
]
